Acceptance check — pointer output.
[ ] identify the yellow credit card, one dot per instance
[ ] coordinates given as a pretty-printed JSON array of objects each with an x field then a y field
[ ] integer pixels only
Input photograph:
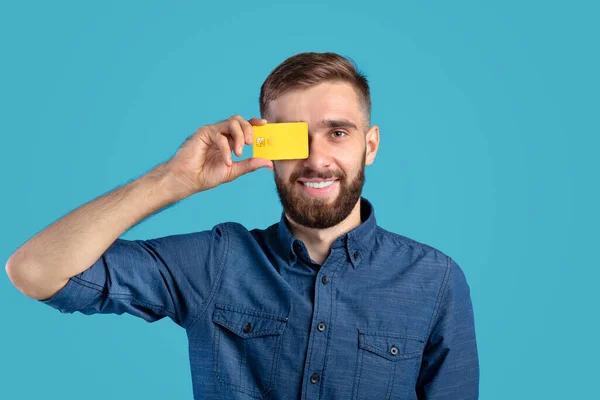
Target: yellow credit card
[{"x": 281, "y": 141}]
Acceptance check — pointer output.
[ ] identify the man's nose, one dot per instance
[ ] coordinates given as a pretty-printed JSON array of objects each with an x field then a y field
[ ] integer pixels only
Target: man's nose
[{"x": 318, "y": 154}]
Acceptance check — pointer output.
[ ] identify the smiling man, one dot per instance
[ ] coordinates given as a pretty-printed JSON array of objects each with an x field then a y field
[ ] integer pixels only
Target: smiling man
[
  {"x": 324, "y": 304},
  {"x": 320, "y": 195}
]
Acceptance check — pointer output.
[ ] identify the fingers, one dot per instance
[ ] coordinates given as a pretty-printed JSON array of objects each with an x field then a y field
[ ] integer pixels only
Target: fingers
[
  {"x": 223, "y": 145},
  {"x": 247, "y": 126},
  {"x": 231, "y": 135},
  {"x": 238, "y": 129},
  {"x": 255, "y": 121},
  {"x": 248, "y": 165},
  {"x": 241, "y": 131}
]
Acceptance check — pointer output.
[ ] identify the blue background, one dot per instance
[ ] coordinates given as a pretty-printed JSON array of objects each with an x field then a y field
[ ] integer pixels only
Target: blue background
[{"x": 489, "y": 139}]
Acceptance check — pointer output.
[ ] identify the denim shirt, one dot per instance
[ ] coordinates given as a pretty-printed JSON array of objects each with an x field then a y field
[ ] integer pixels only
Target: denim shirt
[{"x": 384, "y": 317}]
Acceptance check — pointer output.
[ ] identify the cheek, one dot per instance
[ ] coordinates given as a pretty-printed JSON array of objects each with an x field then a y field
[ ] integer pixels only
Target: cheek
[
  {"x": 283, "y": 169},
  {"x": 350, "y": 160}
]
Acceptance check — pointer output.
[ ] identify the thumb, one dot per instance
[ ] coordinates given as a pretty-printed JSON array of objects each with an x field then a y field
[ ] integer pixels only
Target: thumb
[{"x": 249, "y": 165}]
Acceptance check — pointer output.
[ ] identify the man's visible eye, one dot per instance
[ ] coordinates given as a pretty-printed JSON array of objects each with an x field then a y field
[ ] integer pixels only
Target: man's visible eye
[{"x": 336, "y": 134}]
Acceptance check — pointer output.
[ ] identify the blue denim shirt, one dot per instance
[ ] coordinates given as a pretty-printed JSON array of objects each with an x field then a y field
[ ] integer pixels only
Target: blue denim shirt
[{"x": 384, "y": 317}]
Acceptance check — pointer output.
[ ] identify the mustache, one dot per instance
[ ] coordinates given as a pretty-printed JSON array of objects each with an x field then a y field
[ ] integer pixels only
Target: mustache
[{"x": 309, "y": 174}]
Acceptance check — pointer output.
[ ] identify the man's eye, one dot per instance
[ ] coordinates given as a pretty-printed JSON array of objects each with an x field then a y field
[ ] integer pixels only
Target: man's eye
[{"x": 337, "y": 134}]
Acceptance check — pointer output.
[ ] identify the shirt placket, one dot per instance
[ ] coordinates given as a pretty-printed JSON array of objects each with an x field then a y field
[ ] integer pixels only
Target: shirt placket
[{"x": 321, "y": 322}]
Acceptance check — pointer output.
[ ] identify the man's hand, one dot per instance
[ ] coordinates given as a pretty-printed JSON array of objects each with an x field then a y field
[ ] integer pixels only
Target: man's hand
[{"x": 204, "y": 160}]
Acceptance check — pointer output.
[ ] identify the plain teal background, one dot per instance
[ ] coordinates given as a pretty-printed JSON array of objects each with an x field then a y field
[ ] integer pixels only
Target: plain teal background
[{"x": 489, "y": 140}]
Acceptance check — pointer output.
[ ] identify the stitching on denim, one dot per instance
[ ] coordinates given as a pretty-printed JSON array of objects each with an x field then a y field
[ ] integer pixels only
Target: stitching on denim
[
  {"x": 227, "y": 386},
  {"x": 154, "y": 307},
  {"x": 356, "y": 369},
  {"x": 88, "y": 284},
  {"x": 264, "y": 332},
  {"x": 93, "y": 285},
  {"x": 347, "y": 251},
  {"x": 362, "y": 248},
  {"x": 312, "y": 342},
  {"x": 331, "y": 325},
  {"x": 85, "y": 284},
  {"x": 383, "y": 354},
  {"x": 388, "y": 395},
  {"x": 279, "y": 342},
  {"x": 441, "y": 291},
  {"x": 357, "y": 379},
  {"x": 313, "y": 333},
  {"x": 208, "y": 300},
  {"x": 243, "y": 360},
  {"x": 93, "y": 299},
  {"x": 148, "y": 246},
  {"x": 362, "y": 344},
  {"x": 248, "y": 311},
  {"x": 140, "y": 301},
  {"x": 216, "y": 341},
  {"x": 254, "y": 393},
  {"x": 391, "y": 334},
  {"x": 159, "y": 309}
]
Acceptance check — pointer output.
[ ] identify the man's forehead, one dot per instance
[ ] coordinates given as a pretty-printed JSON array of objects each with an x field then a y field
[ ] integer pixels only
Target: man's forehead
[
  {"x": 328, "y": 105},
  {"x": 324, "y": 92}
]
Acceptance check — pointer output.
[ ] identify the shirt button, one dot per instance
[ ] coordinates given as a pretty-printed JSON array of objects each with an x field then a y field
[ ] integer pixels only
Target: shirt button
[
  {"x": 325, "y": 280},
  {"x": 356, "y": 254},
  {"x": 394, "y": 350},
  {"x": 247, "y": 328},
  {"x": 314, "y": 378},
  {"x": 297, "y": 247},
  {"x": 321, "y": 327}
]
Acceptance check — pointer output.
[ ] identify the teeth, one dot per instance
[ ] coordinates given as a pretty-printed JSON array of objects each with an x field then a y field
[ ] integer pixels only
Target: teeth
[{"x": 318, "y": 185}]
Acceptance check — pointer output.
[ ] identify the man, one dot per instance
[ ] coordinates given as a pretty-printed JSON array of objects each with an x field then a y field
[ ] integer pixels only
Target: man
[{"x": 324, "y": 304}]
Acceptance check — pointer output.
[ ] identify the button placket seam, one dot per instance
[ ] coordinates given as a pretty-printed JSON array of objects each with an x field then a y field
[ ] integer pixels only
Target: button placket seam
[
  {"x": 331, "y": 325},
  {"x": 312, "y": 345},
  {"x": 312, "y": 339}
]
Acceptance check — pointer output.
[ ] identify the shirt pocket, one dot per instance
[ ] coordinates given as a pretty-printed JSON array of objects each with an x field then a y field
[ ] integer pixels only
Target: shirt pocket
[
  {"x": 387, "y": 365},
  {"x": 246, "y": 346}
]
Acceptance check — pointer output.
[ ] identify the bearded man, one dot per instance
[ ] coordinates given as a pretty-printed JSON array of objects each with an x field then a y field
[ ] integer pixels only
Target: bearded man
[{"x": 324, "y": 304}]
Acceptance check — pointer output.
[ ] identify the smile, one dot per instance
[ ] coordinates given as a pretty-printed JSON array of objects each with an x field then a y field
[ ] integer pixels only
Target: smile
[{"x": 318, "y": 185}]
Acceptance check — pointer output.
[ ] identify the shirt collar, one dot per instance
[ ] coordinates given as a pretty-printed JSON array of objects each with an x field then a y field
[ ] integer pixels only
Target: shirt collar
[{"x": 356, "y": 242}]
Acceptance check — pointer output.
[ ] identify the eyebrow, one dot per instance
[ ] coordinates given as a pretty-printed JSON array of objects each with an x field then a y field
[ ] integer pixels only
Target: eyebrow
[{"x": 336, "y": 123}]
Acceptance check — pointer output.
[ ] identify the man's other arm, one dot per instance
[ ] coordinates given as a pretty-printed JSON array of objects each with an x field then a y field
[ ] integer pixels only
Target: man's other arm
[
  {"x": 46, "y": 262},
  {"x": 450, "y": 367}
]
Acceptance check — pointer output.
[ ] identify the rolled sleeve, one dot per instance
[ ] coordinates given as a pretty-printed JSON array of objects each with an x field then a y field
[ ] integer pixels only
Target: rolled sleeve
[
  {"x": 169, "y": 276},
  {"x": 74, "y": 295}
]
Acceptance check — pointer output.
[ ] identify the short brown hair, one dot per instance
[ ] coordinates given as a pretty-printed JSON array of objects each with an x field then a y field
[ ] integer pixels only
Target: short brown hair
[{"x": 308, "y": 69}]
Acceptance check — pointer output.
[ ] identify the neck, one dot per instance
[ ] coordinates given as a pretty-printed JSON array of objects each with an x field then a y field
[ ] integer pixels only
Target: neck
[{"x": 319, "y": 241}]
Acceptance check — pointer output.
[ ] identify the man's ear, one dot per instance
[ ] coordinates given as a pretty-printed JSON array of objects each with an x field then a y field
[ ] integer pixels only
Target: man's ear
[{"x": 372, "y": 144}]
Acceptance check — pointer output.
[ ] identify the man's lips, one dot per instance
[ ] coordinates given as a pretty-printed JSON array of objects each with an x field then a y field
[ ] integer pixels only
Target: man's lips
[{"x": 317, "y": 179}]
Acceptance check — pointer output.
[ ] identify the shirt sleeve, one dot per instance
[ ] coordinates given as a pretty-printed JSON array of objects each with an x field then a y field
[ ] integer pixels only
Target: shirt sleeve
[
  {"x": 169, "y": 276},
  {"x": 450, "y": 366}
]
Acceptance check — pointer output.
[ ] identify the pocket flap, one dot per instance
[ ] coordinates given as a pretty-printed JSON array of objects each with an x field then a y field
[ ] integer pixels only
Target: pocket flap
[
  {"x": 390, "y": 346},
  {"x": 249, "y": 323}
]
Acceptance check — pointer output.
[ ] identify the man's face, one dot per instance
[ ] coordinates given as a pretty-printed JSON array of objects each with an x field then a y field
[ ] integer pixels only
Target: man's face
[{"x": 321, "y": 191}]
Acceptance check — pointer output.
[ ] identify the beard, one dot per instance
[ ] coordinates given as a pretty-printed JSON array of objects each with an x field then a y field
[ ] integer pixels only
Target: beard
[{"x": 315, "y": 212}]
